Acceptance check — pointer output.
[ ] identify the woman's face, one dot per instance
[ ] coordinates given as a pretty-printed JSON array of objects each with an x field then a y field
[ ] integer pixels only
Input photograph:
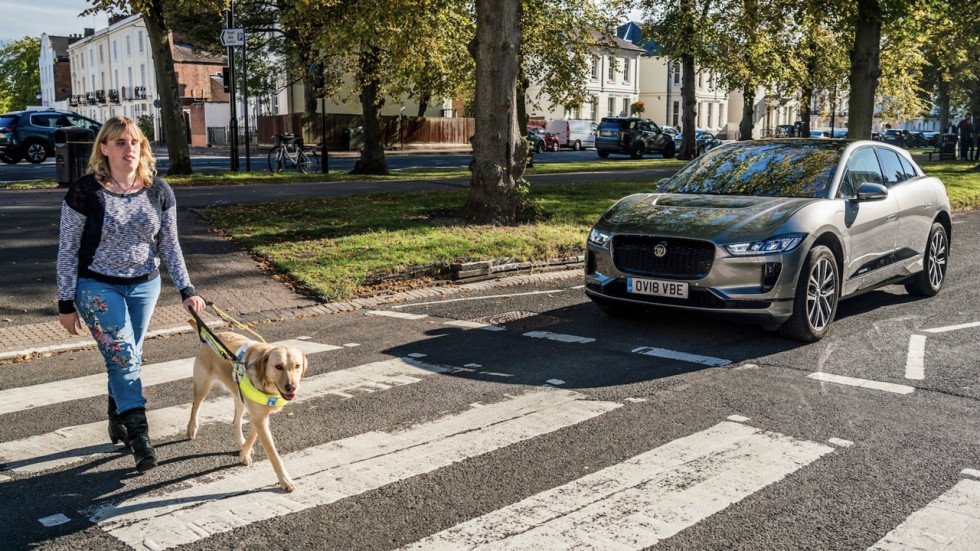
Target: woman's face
[{"x": 123, "y": 153}]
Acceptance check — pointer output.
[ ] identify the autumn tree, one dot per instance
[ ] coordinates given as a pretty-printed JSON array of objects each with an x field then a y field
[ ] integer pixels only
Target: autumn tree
[
  {"x": 158, "y": 33},
  {"x": 818, "y": 66},
  {"x": 19, "y": 75}
]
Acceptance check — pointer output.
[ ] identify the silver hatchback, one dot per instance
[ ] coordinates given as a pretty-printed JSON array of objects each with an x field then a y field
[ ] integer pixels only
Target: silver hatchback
[{"x": 774, "y": 232}]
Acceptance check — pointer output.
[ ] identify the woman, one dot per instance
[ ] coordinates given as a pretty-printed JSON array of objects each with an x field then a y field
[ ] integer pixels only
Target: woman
[{"x": 117, "y": 223}]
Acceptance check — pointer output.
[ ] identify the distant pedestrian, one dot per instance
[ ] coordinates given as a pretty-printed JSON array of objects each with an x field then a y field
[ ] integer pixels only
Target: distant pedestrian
[
  {"x": 966, "y": 132},
  {"x": 117, "y": 223}
]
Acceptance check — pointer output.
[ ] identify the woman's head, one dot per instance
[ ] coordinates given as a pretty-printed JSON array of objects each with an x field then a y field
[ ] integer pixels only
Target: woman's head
[{"x": 120, "y": 148}]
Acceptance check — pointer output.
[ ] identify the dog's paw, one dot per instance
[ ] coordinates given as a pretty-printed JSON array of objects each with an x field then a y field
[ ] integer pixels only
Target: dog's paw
[
  {"x": 287, "y": 484},
  {"x": 191, "y": 432},
  {"x": 245, "y": 458}
]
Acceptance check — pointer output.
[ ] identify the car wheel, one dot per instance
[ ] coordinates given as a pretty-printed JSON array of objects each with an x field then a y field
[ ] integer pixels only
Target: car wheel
[
  {"x": 539, "y": 147},
  {"x": 815, "y": 301},
  {"x": 637, "y": 152},
  {"x": 930, "y": 280},
  {"x": 8, "y": 159},
  {"x": 554, "y": 146},
  {"x": 603, "y": 153},
  {"x": 577, "y": 146},
  {"x": 700, "y": 151},
  {"x": 36, "y": 152},
  {"x": 670, "y": 150}
]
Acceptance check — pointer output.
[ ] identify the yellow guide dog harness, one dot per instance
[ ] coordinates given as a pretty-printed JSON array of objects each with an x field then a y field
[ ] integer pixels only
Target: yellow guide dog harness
[{"x": 245, "y": 387}]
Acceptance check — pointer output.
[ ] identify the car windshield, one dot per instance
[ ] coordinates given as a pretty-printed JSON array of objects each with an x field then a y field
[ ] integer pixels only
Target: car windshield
[{"x": 774, "y": 169}]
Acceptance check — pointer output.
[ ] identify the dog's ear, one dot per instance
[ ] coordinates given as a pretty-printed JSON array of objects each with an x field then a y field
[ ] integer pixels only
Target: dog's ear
[
  {"x": 305, "y": 365},
  {"x": 262, "y": 366}
]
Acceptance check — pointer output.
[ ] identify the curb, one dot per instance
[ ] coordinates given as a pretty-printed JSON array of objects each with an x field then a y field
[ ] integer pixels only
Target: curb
[{"x": 170, "y": 327}]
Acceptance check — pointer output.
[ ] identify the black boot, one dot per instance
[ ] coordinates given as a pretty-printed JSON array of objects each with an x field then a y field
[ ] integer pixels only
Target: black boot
[
  {"x": 138, "y": 432},
  {"x": 117, "y": 431}
]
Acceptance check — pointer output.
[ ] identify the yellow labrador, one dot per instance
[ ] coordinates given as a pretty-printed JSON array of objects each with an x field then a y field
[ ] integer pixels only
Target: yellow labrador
[{"x": 272, "y": 376}]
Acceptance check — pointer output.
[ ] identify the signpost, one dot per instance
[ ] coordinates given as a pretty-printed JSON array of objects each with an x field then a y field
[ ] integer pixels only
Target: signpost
[{"x": 232, "y": 37}]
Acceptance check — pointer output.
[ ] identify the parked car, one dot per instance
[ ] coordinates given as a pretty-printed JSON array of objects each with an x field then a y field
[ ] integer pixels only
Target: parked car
[
  {"x": 632, "y": 136},
  {"x": 576, "y": 134},
  {"x": 536, "y": 141},
  {"x": 931, "y": 137},
  {"x": 894, "y": 137},
  {"x": 30, "y": 134},
  {"x": 706, "y": 141},
  {"x": 551, "y": 142},
  {"x": 773, "y": 232},
  {"x": 784, "y": 131}
]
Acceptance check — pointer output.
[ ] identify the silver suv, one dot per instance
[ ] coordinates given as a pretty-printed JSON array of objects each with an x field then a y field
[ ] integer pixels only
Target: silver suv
[{"x": 30, "y": 134}]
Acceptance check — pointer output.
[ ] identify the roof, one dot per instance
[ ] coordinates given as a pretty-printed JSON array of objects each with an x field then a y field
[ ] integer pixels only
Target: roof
[
  {"x": 60, "y": 45},
  {"x": 632, "y": 32},
  {"x": 185, "y": 53}
]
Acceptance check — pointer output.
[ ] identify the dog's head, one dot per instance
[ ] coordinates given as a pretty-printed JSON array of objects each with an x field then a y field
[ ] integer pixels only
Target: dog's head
[{"x": 280, "y": 370}]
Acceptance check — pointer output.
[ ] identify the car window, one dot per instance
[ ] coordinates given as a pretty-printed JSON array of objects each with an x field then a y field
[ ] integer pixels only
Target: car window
[
  {"x": 863, "y": 168},
  {"x": 768, "y": 169},
  {"x": 910, "y": 171},
  {"x": 49, "y": 120},
  {"x": 891, "y": 167},
  {"x": 82, "y": 122},
  {"x": 8, "y": 120}
]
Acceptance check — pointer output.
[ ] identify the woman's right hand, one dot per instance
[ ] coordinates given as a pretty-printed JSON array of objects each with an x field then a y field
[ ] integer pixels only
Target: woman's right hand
[{"x": 71, "y": 322}]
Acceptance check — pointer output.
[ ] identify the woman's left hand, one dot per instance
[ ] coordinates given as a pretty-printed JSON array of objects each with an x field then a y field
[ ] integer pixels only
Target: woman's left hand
[{"x": 195, "y": 304}]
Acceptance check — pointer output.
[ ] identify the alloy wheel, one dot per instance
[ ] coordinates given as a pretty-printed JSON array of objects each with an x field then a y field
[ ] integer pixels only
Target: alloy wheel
[
  {"x": 937, "y": 259},
  {"x": 821, "y": 294}
]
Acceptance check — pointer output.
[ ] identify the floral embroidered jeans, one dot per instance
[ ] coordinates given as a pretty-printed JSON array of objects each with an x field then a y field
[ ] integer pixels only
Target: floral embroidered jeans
[{"x": 118, "y": 316}]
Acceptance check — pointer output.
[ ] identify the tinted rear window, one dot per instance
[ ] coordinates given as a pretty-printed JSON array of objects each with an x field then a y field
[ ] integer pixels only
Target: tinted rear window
[
  {"x": 7, "y": 120},
  {"x": 803, "y": 169},
  {"x": 613, "y": 125}
]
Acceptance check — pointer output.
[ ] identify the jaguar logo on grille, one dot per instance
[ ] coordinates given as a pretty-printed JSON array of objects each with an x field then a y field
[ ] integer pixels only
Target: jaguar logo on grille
[{"x": 660, "y": 250}]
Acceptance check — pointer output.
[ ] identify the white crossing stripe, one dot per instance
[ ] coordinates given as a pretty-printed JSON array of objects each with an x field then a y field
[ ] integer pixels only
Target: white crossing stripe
[
  {"x": 557, "y": 337},
  {"x": 915, "y": 362},
  {"x": 682, "y": 356},
  {"x": 24, "y": 398},
  {"x": 643, "y": 500},
  {"x": 72, "y": 445},
  {"x": 336, "y": 470},
  {"x": 950, "y": 523},
  {"x": 863, "y": 383},
  {"x": 474, "y": 325},
  {"x": 399, "y": 315}
]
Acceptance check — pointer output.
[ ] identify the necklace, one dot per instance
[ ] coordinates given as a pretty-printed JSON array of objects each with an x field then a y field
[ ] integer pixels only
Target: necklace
[{"x": 130, "y": 188}]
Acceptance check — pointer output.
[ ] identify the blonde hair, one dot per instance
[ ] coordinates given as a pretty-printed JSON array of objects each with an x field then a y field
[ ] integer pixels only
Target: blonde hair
[{"x": 98, "y": 163}]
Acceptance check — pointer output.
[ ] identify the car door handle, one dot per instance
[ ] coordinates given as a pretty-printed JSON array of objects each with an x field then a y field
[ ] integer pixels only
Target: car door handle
[
  {"x": 927, "y": 206},
  {"x": 891, "y": 217}
]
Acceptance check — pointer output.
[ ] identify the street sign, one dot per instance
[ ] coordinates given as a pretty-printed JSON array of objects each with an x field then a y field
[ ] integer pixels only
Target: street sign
[{"x": 232, "y": 37}]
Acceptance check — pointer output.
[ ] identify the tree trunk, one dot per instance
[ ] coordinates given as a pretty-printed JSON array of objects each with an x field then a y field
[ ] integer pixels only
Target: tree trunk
[
  {"x": 689, "y": 148},
  {"x": 171, "y": 113},
  {"x": 806, "y": 99},
  {"x": 499, "y": 148},
  {"x": 424, "y": 103},
  {"x": 943, "y": 103},
  {"x": 372, "y": 159},
  {"x": 864, "y": 70},
  {"x": 746, "y": 125}
]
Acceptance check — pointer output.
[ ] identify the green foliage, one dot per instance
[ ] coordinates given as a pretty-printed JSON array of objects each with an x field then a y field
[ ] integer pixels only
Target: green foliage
[
  {"x": 145, "y": 124},
  {"x": 19, "y": 74}
]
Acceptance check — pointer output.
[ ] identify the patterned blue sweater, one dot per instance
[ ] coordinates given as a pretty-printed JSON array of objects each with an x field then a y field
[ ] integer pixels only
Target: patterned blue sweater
[{"x": 116, "y": 238}]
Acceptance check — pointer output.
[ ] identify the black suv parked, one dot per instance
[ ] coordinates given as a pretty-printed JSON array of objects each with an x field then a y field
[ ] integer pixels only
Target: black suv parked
[
  {"x": 30, "y": 134},
  {"x": 632, "y": 136}
]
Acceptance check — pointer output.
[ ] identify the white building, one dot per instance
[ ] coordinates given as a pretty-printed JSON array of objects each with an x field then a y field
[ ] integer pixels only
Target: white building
[
  {"x": 613, "y": 85},
  {"x": 55, "y": 72}
]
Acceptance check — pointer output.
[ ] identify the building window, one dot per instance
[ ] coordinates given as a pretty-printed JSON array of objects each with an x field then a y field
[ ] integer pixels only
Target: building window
[
  {"x": 710, "y": 112},
  {"x": 142, "y": 75},
  {"x": 626, "y": 107},
  {"x": 115, "y": 50},
  {"x": 612, "y": 69},
  {"x": 676, "y": 113},
  {"x": 610, "y": 105},
  {"x": 626, "y": 70},
  {"x": 595, "y": 67},
  {"x": 595, "y": 108},
  {"x": 129, "y": 48},
  {"x": 101, "y": 57},
  {"x": 129, "y": 70}
]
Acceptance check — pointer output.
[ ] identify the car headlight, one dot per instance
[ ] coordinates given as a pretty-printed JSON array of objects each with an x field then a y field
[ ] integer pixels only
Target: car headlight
[
  {"x": 599, "y": 238},
  {"x": 773, "y": 245}
]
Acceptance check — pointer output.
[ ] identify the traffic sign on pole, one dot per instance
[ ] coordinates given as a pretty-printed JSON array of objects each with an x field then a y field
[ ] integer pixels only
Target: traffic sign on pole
[{"x": 232, "y": 37}]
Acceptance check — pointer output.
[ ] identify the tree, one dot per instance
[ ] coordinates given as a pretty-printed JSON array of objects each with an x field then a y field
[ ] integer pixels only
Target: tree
[
  {"x": 499, "y": 148},
  {"x": 19, "y": 74},
  {"x": 158, "y": 34},
  {"x": 818, "y": 65}
]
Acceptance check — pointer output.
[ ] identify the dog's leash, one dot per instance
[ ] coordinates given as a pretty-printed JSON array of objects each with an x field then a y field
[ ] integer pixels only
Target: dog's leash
[{"x": 245, "y": 387}]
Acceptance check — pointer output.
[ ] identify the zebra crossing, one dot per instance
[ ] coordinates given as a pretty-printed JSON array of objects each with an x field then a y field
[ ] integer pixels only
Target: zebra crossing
[{"x": 633, "y": 504}]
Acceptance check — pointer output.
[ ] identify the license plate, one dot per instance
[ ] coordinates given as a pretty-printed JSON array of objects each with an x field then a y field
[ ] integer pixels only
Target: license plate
[
  {"x": 656, "y": 287},
  {"x": 606, "y": 133}
]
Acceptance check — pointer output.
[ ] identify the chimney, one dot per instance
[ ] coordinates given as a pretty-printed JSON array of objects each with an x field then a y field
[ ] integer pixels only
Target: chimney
[{"x": 89, "y": 32}]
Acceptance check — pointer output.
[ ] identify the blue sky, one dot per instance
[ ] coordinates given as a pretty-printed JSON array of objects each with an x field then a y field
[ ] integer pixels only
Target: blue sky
[{"x": 56, "y": 17}]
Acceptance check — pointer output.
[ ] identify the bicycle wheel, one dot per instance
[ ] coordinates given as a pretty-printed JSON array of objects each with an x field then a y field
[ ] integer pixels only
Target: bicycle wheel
[
  {"x": 276, "y": 162},
  {"x": 309, "y": 162}
]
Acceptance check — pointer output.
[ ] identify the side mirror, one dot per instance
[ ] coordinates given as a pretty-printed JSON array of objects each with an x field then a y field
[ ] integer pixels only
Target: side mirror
[{"x": 872, "y": 192}]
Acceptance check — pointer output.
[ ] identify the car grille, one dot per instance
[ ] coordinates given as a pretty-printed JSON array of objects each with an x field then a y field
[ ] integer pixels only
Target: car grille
[{"x": 684, "y": 258}]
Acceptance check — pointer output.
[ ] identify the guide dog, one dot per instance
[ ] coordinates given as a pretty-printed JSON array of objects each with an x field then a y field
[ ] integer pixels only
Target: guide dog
[{"x": 271, "y": 378}]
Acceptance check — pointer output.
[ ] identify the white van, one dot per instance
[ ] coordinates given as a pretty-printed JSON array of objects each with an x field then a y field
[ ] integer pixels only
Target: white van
[{"x": 577, "y": 134}]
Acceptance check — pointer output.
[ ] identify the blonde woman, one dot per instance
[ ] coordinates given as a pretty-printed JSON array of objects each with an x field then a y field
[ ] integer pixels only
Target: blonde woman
[{"x": 117, "y": 223}]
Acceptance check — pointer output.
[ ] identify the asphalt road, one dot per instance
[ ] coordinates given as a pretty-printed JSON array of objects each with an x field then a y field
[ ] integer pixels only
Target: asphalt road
[{"x": 522, "y": 416}]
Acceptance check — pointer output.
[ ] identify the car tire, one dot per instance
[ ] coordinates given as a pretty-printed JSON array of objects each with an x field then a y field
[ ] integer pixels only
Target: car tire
[
  {"x": 603, "y": 153},
  {"x": 554, "y": 147},
  {"x": 577, "y": 146},
  {"x": 930, "y": 280},
  {"x": 670, "y": 150},
  {"x": 8, "y": 159},
  {"x": 36, "y": 152},
  {"x": 637, "y": 152},
  {"x": 539, "y": 147},
  {"x": 816, "y": 297}
]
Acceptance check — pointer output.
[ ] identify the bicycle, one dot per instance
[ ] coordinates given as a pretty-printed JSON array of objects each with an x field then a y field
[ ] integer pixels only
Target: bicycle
[{"x": 303, "y": 158}]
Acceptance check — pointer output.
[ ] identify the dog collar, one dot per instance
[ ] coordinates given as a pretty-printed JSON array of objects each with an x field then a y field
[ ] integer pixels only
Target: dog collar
[{"x": 245, "y": 385}]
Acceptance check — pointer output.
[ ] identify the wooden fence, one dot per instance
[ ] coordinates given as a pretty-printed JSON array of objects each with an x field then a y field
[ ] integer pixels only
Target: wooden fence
[{"x": 342, "y": 130}]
